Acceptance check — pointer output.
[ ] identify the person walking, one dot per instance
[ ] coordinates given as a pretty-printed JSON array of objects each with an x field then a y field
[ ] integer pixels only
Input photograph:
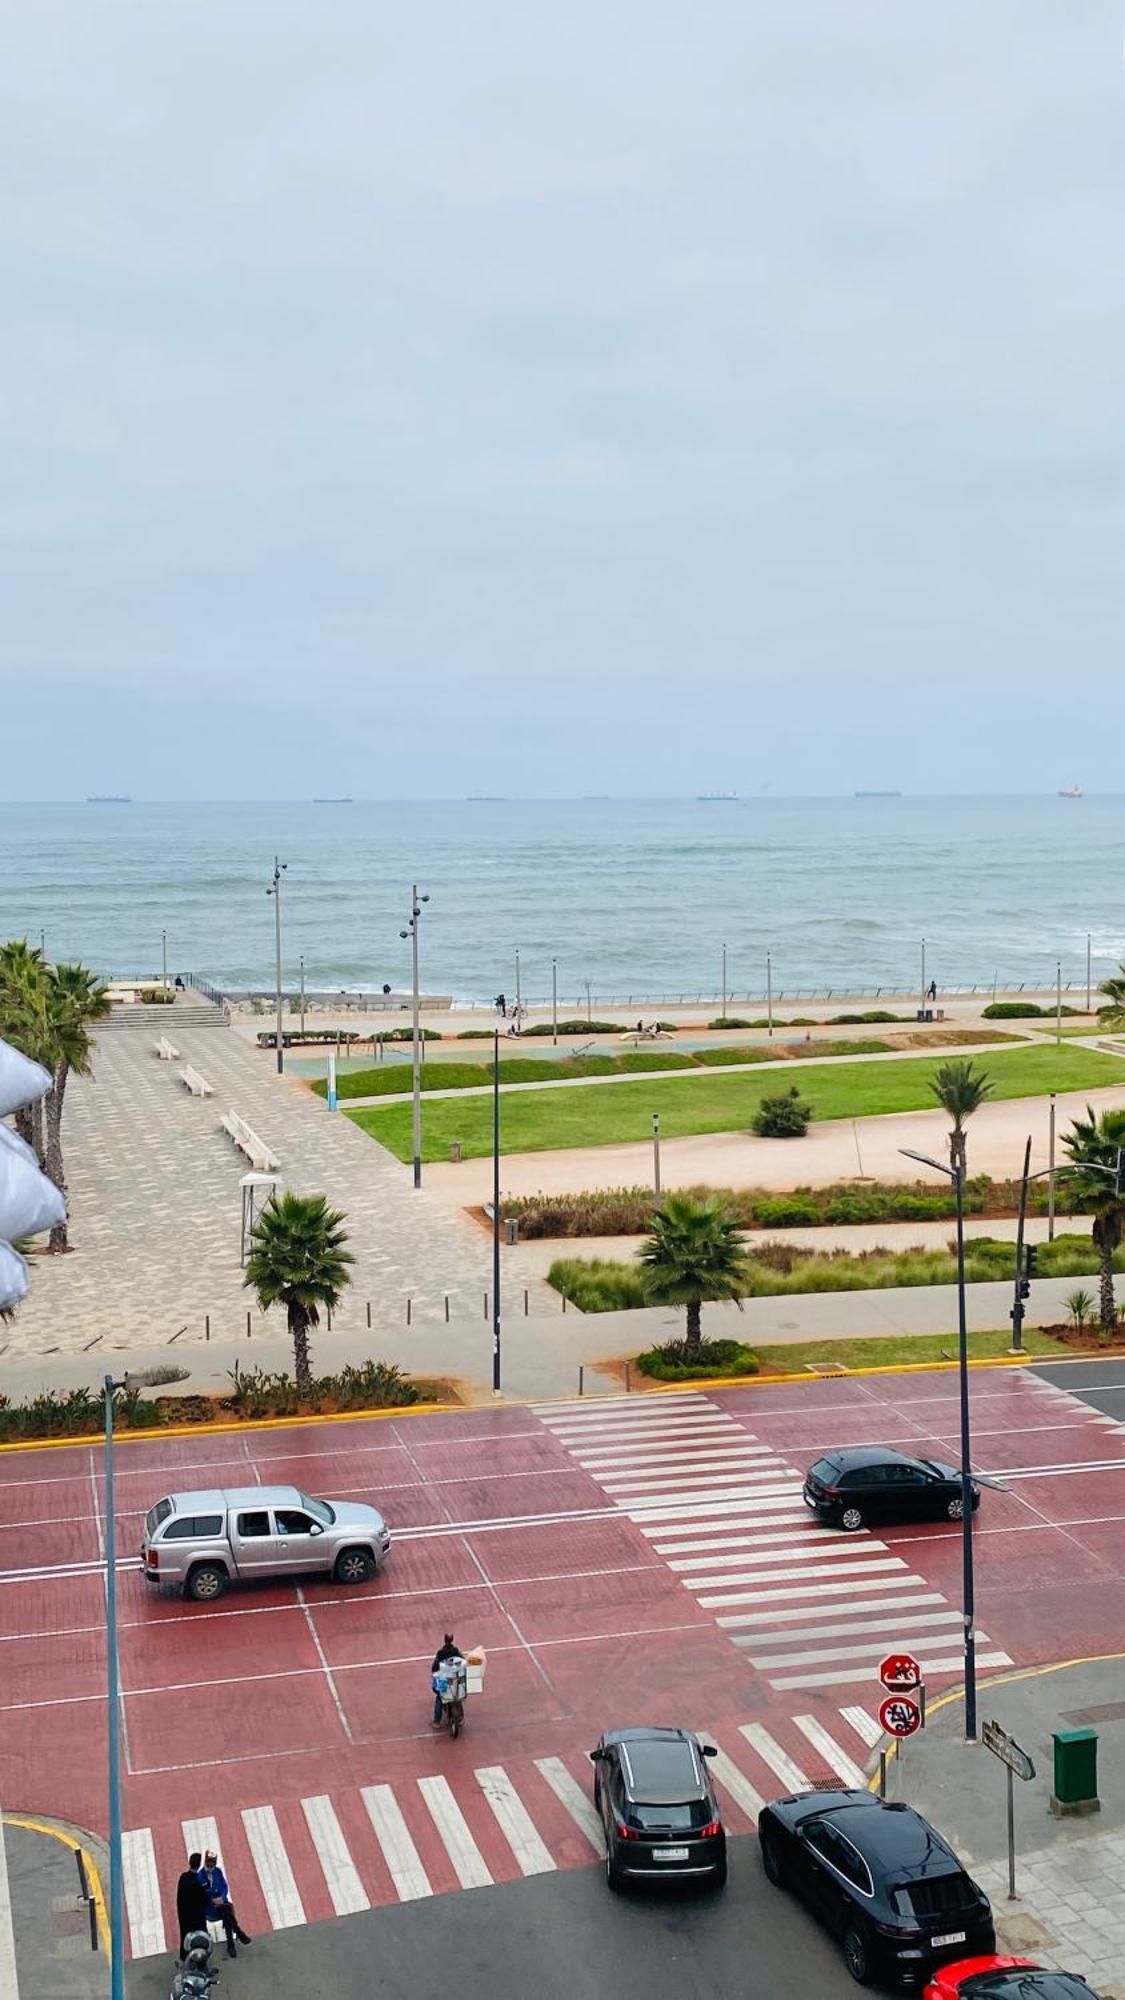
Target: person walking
[
  {"x": 191, "y": 1901},
  {"x": 932, "y": 994},
  {"x": 502, "y": 1006},
  {"x": 220, "y": 1909}
]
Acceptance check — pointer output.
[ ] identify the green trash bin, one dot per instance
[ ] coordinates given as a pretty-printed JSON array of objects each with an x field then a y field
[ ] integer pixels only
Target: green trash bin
[{"x": 1076, "y": 1772}]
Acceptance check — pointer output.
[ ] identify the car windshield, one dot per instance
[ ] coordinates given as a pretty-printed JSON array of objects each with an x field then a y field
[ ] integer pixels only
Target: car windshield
[
  {"x": 319, "y": 1509},
  {"x": 1024, "y": 1983}
]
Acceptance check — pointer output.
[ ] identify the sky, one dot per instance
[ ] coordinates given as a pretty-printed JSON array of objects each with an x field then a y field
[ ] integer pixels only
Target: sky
[{"x": 623, "y": 397}]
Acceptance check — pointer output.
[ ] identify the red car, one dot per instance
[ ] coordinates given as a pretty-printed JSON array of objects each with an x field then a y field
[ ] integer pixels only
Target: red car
[{"x": 995, "y": 1978}]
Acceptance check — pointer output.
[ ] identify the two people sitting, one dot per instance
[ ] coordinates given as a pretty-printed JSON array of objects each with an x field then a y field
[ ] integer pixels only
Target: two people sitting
[{"x": 203, "y": 1897}]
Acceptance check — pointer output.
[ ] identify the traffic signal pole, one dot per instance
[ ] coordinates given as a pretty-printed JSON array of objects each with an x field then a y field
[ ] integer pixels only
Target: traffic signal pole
[{"x": 1019, "y": 1294}]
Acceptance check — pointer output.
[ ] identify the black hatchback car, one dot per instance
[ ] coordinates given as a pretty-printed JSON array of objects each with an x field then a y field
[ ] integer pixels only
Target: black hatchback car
[
  {"x": 653, "y": 1791},
  {"x": 866, "y": 1483},
  {"x": 881, "y": 1879}
]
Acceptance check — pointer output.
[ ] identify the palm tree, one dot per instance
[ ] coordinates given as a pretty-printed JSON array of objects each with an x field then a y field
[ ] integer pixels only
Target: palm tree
[
  {"x": 694, "y": 1252},
  {"x": 23, "y": 1022},
  {"x": 76, "y": 1000},
  {"x": 1114, "y": 990},
  {"x": 960, "y": 1090},
  {"x": 1094, "y": 1143},
  {"x": 298, "y": 1258}
]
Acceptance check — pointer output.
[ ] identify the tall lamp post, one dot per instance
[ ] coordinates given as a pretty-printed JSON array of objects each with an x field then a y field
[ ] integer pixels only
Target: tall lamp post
[
  {"x": 554, "y": 1003},
  {"x": 496, "y": 1211},
  {"x": 113, "y": 1727},
  {"x": 411, "y": 932},
  {"x": 967, "y": 1580},
  {"x": 164, "y": 965},
  {"x": 302, "y": 993},
  {"x": 724, "y": 998},
  {"x": 274, "y": 890}
]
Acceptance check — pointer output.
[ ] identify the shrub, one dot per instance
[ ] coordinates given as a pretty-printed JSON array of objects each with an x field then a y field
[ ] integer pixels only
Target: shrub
[
  {"x": 576, "y": 1027},
  {"x": 407, "y": 1035},
  {"x": 643, "y": 1059},
  {"x": 729, "y": 1021},
  {"x": 598, "y": 1284},
  {"x": 874, "y": 1014},
  {"x": 1013, "y": 1010},
  {"x": 720, "y": 1357},
  {"x": 1080, "y": 1305},
  {"x": 785, "y": 1116},
  {"x": 788, "y": 1211},
  {"x": 155, "y": 996}
]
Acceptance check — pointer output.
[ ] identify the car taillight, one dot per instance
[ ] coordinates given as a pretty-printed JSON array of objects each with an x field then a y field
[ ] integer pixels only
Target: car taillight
[
  {"x": 153, "y": 1559},
  {"x": 626, "y": 1832},
  {"x": 709, "y": 1831}
]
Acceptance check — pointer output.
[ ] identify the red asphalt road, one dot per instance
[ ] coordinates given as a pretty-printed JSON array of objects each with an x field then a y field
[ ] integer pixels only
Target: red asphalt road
[{"x": 278, "y": 1693}]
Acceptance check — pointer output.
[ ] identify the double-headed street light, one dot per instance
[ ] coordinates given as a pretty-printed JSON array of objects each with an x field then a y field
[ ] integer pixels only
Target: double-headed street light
[
  {"x": 274, "y": 890},
  {"x": 113, "y": 1704},
  {"x": 956, "y": 1175},
  {"x": 411, "y": 932}
]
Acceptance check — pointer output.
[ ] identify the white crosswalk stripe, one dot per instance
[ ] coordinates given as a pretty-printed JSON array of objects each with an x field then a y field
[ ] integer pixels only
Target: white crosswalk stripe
[
  {"x": 725, "y": 1513},
  {"x": 468, "y": 1861},
  {"x": 836, "y": 1758},
  {"x": 865, "y": 1726},
  {"x": 340, "y": 1872},
  {"x": 142, "y": 1894},
  {"x": 399, "y": 1852},
  {"x": 779, "y": 1760},
  {"x": 532, "y": 1854},
  {"x": 570, "y": 1794},
  {"x": 279, "y": 1886},
  {"x": 737, "y": 1784}
]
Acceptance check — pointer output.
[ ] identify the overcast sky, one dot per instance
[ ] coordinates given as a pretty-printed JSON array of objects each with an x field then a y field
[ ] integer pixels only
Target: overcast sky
[{"x": 623, "y": 396}]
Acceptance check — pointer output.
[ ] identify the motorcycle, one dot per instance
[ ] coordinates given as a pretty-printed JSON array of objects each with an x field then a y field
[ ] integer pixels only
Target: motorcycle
[
  {"x": 194, "y": 1979},
  {"x": 451, "y": 1683}
]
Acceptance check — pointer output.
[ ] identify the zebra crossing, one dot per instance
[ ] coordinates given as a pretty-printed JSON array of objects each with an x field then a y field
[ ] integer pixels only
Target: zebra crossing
[
  {"x": 298, "y": 1860},
  {"x": 808, "y": 1606}
]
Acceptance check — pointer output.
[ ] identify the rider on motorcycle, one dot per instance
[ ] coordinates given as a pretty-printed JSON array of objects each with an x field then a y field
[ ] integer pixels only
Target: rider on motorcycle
[{"x": 448, "y": 1650}]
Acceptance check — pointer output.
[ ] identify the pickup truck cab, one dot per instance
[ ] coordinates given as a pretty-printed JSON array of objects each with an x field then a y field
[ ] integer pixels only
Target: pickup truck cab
[{"x": 201, "y": 1542}]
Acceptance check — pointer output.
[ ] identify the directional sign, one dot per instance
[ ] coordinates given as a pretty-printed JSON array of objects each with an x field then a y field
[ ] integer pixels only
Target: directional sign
[
  {"x": 1007, "y": 1749},
  {"x": 900, "y": 1716},
  {"x": 900, "y": 1673}
]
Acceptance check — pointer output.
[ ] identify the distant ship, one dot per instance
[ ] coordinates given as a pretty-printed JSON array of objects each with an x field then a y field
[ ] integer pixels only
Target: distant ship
[
  {"x": 1071, "y": 792},
  {"x": 108, "y": 799},
  {"x": 334, "y": 802},
  {"x": 486, "y": 799},
  {"x": 877, "y": 795},
  {"x": 713, "y": 798}
]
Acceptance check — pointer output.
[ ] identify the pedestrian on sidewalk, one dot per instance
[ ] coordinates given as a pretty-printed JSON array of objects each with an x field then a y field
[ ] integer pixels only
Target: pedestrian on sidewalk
[
  {"x": 191, "y": 1901},
  {"x": 932, "y": 993},
  {"x": 220, "y": 1909},
  {"x": 502, "y": 1006}
]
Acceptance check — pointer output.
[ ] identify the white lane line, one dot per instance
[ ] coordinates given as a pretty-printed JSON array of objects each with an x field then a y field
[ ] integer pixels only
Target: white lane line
[
  {"x": 840, "y": 1554},
  {"x": 399, "y": 1852},
  {"x": 813, "y": 1656},
  {"x": 340, "y": 1872},
  {"x": 569, "y": 1793},
  {"x": 282, "y": 1897},
  {"x": 836, "y": 1759},
  {"x": 843, "y": 1608},
  {"x": 314, "y": 1635},
  {"x": 881, "y": 1563},
  {"x": 468, "y": 1861},
  {"x": 737, "y": 1784},
  {"x": 201, "y": 1836},
  {"x": 837, "y": 1678},
  {"x": 142, "y": 1894},
  {"x": 780, "y": 1536},
  {"x": 514, "y": 1821},
  {"x": 772, "y": 1754},
  {"x": 922, "y": 1621},
  {"x": 807, "y": 1597},
  {"x": 9, "y": 1977},
  {"x": 865, "y": 1726}
]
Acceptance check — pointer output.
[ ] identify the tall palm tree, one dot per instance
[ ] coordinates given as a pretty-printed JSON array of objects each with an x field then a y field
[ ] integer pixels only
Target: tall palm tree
[
  {"x": 960, "y": 1090},
  {"x": 23, "y": 1022},
  {"x": 76, "y": 1000},
  {"x": 299, "y": 1259},
  {"x": 694, "y": 1252},
  {"x": 1093, "y": 1142},
  {"x": 1114, "y": 990}
]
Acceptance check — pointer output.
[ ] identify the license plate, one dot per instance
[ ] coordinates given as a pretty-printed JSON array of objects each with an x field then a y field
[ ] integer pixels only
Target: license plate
[
  {"x": 808, "y": 1500},
  {"x": 670, "y": 1853},
  {"x": 949, "y": 1937}
]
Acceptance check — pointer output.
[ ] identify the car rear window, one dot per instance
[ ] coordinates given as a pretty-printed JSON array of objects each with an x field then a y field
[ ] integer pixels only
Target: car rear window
[
  {"x": 662, "y": 1772},
  {"x": 1014, "y": 1985},
  {"x": 155, "y": 1515},
  {"x": 825, "y": 1471},
  {"x": 933, "y": 1895},
  {"x": 190, "y": 1526},
  {"x": 670, "y": 1819}
]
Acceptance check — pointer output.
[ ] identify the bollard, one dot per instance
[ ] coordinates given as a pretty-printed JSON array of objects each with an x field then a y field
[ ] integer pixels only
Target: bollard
[
  {"x": 883, "y": 1773},
  {"x": 247, "y": 1326},
  {"x": 525, "y": 1304},
  {"x": 206, "y": 1326},
  {"x": 409, "y": 1303},
  {"x": 369, "y": 1312},
  {"x": 564, "y": 1301},
  {"x": 486, "y": 1305},
  {"x": 447, "y": 1308},
  {"x": 329, "y": 1319},
  {"x": 581, "y": 1380},
  {"x": 628, "y": 1381}
]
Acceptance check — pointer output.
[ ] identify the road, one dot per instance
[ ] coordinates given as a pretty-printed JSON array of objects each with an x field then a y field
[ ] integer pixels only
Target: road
[{"x": 622, "y": 1560}]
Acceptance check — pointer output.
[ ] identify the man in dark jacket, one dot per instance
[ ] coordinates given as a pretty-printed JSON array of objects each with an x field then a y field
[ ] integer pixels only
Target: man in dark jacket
[
  {"x": 191, "y": 1900},
  {"x": 448, "y": 1650}
]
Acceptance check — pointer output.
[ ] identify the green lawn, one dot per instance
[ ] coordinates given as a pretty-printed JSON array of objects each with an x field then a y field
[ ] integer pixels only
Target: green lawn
[
  {"x": 537, "y": 1121},
  {"x": 893, "y": 1350}
]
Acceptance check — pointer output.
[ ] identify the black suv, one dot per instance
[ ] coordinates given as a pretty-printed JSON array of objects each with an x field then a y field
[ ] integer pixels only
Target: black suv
[
  {"x": 653, "y": 1791},
  {"x": 869, "y": 1483},
  {"x": 881, "y": 1879}
]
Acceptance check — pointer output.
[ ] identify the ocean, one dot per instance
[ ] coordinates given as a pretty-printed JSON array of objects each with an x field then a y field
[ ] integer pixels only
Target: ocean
[{"x": 638, "y": 897}]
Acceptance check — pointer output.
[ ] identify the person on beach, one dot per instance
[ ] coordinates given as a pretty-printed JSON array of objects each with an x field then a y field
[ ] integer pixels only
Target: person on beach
[
  {"x": 191, "y": 1901},
  {"x": 220, "y": 1909}
]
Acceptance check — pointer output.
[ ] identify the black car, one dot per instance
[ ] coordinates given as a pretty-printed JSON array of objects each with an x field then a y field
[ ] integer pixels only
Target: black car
[
  {"x": 881, "y": 1879},
  {"x": 869, "y": 1483},
  {"x": 653, "y": 1791}
]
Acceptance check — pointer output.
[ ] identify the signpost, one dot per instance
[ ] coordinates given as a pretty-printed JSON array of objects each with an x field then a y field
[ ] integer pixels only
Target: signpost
[
  {"x": 904, "y": 1709},
  {"x": 900, "y": 1716},
  {"x": 1017, "y": 1764}
]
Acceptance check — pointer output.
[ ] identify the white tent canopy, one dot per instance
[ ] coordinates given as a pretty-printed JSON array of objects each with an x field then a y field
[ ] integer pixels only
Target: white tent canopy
[
  {"x": 21, "y": 1080},
  {"x": 29, "y": 1201}
]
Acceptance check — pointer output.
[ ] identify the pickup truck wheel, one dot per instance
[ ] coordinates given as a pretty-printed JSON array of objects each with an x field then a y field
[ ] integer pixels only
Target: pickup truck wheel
[
  {"x": 206, "y": 1583},
  {"x": 354, "y": 1566}
]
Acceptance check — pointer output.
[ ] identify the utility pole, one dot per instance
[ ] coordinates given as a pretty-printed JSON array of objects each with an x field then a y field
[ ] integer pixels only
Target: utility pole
[
  {"x": 302, "y": 993},
  {"x": 164, "y": 965},
  {"x": 769, "y": 992},
  {"x": 113, "y": 1718},
  {"x": 496, "y": 1211}
]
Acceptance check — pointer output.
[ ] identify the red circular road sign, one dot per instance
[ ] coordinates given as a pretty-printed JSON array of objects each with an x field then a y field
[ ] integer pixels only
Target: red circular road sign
[
  {"x": 900, "y": 1673},
  {"x": 900, "y": 1716}
]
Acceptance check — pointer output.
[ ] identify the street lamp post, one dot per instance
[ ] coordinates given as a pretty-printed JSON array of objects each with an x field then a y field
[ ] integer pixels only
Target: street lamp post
[
  {"x": 589, "y": 1007},
  {"x": 1058, "y": 1001},
  {"x": 724, "y": 994},
  {"x": 496, "y": 1211},
  {"x": 656, "y": 1155},
  {"x": 769, "y": 993},
  {"x": 274, "y": 890},
  {"x": 411, "y": 932},
  {"x": 519, "y": 994},
  {"x": 555, "y": 1002},
  {"x": 113, "y": 1726},
  {"x": 1088, "y": 996},
  {"x": 164, "y": 965},
  {"x": 967, "y": 1579},
  {"x": 922, "y": 1011},
  {"x": 302, "y": 993}
]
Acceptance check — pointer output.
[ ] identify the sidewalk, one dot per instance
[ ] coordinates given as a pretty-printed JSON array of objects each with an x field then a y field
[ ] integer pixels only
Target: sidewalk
[
  {"x": 1070, "y": 1873},
  {"x": 47, "y": 1955}
]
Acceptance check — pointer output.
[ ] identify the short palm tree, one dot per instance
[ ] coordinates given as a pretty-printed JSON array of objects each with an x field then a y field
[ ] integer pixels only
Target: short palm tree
[
  {"x": 1114, "y": 990},
  {"x": 1093, "y": 1143},
  {"x": 960, "y": 1090},
  {"x": 298, "y": 1259},
  {"x": 76, "y": 999},
  {"x": 694, "y": 1252}
]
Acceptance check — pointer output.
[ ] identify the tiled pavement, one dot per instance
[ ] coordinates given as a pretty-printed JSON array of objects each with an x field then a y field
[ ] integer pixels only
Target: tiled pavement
[{"x": 155, "y": 1204}]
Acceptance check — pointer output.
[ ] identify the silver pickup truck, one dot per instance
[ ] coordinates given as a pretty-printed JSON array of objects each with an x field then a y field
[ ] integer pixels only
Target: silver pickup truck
[{"x": 200, "y": 1542}]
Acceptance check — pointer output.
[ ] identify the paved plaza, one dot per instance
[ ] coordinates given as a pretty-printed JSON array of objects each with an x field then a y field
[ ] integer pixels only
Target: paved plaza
[{"x": 155, "y": 1205}]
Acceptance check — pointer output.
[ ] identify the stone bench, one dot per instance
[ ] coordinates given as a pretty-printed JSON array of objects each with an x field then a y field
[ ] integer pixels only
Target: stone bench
[
  {"x": 248, "y": 1142},
  {"x": 166, "y": 1050},
  {"x": 198, "y": 1085}
]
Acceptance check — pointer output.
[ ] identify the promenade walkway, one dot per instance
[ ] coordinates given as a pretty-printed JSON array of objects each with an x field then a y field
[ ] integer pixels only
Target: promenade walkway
[{"x": 155, "y": 1204}]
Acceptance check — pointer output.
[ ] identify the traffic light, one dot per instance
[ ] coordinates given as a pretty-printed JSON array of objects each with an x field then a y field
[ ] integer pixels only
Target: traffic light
[{"x": 1030, "y": 1254}]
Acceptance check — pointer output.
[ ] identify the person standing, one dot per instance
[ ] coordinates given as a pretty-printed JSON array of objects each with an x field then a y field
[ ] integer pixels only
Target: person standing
[
  {"x": 220, "y": 1909},
  {"x": 191, "y": 1901}
]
